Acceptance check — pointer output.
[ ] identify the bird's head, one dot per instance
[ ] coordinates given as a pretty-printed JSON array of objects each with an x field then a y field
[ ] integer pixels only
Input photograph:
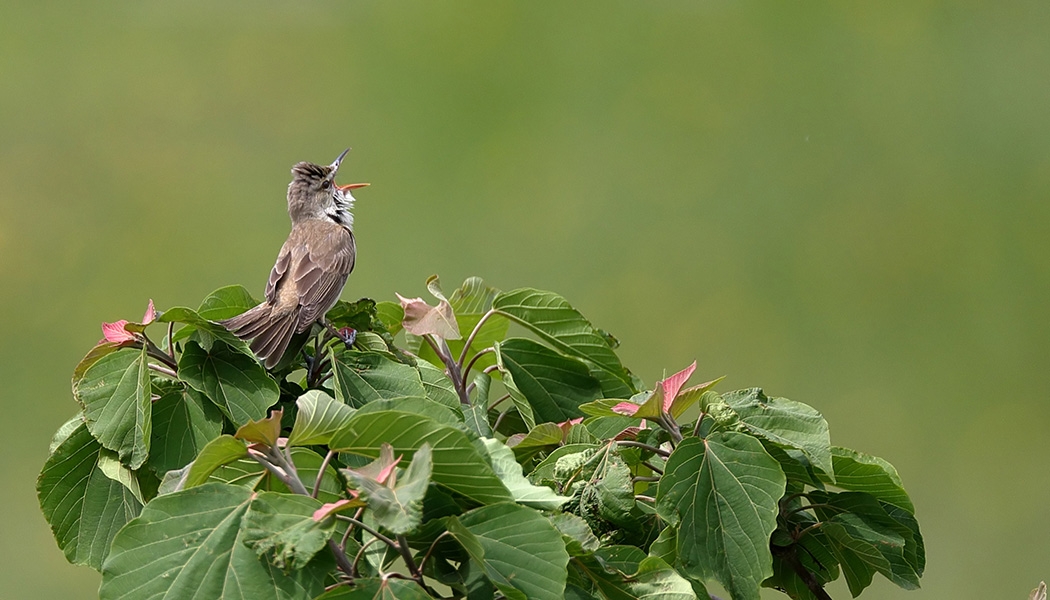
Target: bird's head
[{"x": 313, "y": 193}]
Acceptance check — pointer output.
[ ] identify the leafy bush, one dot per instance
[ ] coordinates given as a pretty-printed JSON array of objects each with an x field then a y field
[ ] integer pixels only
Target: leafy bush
[{"x": 461, "y": 462}]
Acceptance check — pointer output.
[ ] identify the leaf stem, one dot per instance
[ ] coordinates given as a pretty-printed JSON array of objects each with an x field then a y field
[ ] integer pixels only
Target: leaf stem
[
  {"x": 406, "y": 555},
  {"x": 470, "y": 338},
  {"x": 287, "y": 474},
  {"x": 171, "y": 345},
  {"x": 163, "y": 370},
  {"x": 423, "y": 563},
  {"x": 470, "y": 365},
  {"x": 670, "y": 426},
  {"x": 699, "y": 420},
  {"x": 451, "y": 368},
  {"x": 650, "y": 465},
  {"x": 320, "y": 472},
  {"x": 375, "y": 533},
  {"x": 653, "y": 449}
]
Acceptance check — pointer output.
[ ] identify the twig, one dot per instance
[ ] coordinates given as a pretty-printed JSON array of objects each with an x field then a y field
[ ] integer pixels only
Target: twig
[
  {"x": 645, "y": 498},
  {"x": 644, "y": 478},
  {"x": 653, "y": 449},
  {"x": 650, "y": 465},
  {"x": 406, "y": 555}
]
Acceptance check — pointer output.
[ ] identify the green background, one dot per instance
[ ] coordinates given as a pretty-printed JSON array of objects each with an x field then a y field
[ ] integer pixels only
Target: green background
[{"x": 845, "y": 205}]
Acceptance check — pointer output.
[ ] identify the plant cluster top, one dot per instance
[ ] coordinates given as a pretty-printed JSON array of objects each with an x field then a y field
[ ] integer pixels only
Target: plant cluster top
[{"x": 488, "y": 445}]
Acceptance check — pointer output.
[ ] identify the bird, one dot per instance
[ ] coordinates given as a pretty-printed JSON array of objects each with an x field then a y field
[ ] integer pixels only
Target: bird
[{"x": 312, "y": 266}]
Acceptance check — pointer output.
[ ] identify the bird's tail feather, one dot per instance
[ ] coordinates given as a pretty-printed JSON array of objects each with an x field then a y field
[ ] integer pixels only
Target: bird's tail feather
[{"x": 269, "y": 331}]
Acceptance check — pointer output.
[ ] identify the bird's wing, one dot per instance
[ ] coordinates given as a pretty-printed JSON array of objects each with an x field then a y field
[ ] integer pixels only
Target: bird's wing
[
  {"x": 277, "y": 273},
  {"x": 321, "y": 269}
]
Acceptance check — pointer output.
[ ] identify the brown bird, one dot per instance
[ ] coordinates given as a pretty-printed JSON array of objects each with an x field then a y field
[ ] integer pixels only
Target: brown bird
[{"x": 312, "y": 266}]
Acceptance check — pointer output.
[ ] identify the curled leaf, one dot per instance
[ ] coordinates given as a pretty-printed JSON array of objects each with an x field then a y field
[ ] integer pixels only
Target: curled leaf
[{"x": 422, "y": 319}]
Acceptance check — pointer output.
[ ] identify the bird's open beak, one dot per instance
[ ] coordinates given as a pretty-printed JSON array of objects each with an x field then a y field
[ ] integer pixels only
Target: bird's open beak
[
  {"x": 335, "y": 165},
  {"x": 352, "y": 186}
]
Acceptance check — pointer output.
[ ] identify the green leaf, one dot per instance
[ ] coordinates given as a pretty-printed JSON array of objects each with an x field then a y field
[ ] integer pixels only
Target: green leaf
[
  {"x": 579, "y": 539},
  {"x": 399, "y": 509},
  {"x": 220, "y": 451},
  {"x": 226, "y": 302},
  {"x": 235, "y": 382},
  {"x": 390, "y": 314},
  {"x": 378, "y": 589},
  {"x": 115, "y": 394},
  {"x": 554, "y": 385},
  {"x": 538, "y": 438},
  {"x": 457, "y": 465},
  {"x": 722, "y": 493},
  {"x": 420, "y": 406},
  {"x": 111, "y": 467},
  {"x": 605, "y": 488},
  {"x": 191, "y": 544},
  {"x": 860, "y": 472},
  {"x": 864, "y": 534},
  {"x": 65, "y": 431},
  {"x": 438, "y": 387},
  {"x": 552, "y": 318},
  {"x": 184, "y": 421},
  {"x": 264, "y": 431},
  {"x": 476, "y": 418},
  {"x": 206, "y": 331},
  {"x": 83, "y": 506},
  {"x": 690, "y": 396},
  {"x": 518, "y": 548},
  {"x": 358, "y": 315},
  {"x": 784, "y": 422},
  {"x": 509, "y": 472},
  {"x": 548, "y": 470},
  {"x": 361, "y": 377},
  {"x": 281, "y": 527},
  {"x": 319, "y": 416},
  {"x": 656, "y": 580}
]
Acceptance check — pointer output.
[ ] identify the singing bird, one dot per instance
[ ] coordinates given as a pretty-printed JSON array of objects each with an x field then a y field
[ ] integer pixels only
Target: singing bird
[{"x": 312, "y": 266}]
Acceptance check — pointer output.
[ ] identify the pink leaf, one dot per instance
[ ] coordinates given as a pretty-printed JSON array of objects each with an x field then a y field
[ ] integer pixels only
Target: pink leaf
[
  {"x": 626, "y": 408},
  {"x": 115, "y": 332},
  {"x": 567, "y": 425},
  {"x": 674, "y": 383},
  {"x": 387, "y": 470},
  {"x": 328, "y": 509},
  {"x": 151, "y": 313}
]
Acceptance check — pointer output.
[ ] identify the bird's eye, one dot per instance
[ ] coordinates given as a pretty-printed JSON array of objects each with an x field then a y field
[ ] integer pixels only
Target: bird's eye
[{"x": 326, "y": 184}]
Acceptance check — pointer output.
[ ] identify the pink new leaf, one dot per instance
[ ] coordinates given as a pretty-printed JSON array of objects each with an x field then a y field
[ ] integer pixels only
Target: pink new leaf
[
  {"x": 331, "y": 508},
  {"x": 115, "y": 332},
  {"x": 387, "y": 470},
  {"x": 626, "y": 408},
  {"x": 674, "y": 383},
  {"x": 122, "y": 331},
  {"x": 151, "y": 314}
]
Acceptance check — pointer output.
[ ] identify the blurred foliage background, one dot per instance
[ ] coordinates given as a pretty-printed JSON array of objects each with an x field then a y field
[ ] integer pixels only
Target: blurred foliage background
[{"x": 846, "y": 205}]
